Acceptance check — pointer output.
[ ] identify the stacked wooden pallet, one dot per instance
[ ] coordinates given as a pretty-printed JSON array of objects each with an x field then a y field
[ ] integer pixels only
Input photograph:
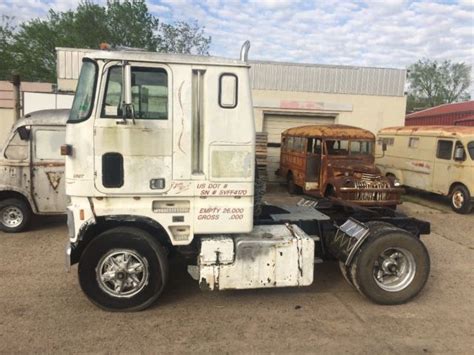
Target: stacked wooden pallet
[{"x": 261, "y": 140}]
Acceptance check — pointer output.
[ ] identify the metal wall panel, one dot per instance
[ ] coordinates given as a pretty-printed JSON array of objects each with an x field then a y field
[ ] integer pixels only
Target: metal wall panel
[
  {"x": 288, "y": 76},
  {"x": 69, "y": 62},
  {"x": 327, "y": 79}
]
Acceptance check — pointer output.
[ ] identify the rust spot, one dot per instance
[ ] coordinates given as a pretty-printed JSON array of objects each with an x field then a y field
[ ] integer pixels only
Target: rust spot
[
  {"x": 336, "y": 131},
  {"x": 48, "y": 165}
]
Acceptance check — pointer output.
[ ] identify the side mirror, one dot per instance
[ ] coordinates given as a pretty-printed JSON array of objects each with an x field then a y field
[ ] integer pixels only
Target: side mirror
[
  {"x": 459, "y": 153},
  {"x": 384, "y": 146},
  {"x": 24, "y": 133},
  {"x": 127, "y": 105}
]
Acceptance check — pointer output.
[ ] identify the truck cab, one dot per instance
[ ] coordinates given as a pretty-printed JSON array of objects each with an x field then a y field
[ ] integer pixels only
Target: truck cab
[
  {"x": 160, "y": 158},
  {"x": 32, "y": 178}
]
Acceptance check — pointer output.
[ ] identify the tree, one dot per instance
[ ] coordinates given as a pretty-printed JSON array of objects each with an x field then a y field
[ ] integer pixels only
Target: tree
[
  {"x": 6, "y": 59},
  {"x": 432, "y": 83},
  {"x": 29, "y": 49}
]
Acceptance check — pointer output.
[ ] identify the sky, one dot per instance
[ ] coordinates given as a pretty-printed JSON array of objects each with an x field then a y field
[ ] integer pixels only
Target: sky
[{"x": 381, "y": 33}]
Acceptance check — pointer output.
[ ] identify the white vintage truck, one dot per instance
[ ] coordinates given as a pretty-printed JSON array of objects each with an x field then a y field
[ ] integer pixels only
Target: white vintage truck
[
  {"x": 32, "y": 170},
  {"x": 160, "y": 157}
]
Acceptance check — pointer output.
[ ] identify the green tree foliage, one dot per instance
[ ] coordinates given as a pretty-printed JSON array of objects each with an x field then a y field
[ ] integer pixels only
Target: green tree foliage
[
  {"x": 432, "y": 83},
  {"x": 6, "y": 59},
  {"x": 29, "y": 49}
]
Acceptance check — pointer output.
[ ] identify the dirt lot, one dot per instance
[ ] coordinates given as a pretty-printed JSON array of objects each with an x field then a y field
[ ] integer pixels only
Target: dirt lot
[{"x": 42, "y": 308}]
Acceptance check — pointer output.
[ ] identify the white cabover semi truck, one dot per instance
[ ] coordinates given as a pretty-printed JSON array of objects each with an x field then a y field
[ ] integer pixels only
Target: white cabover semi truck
[{"x": 160, "y": 157}]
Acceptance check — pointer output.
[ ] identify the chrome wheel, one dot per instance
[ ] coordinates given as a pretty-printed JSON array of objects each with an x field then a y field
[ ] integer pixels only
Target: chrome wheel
[
  {"x": 11, "y": 216},
  {"x": 458, "y": 199},
  {"x": 394, "y": 269},
  {"x": 122, "y": 273}
]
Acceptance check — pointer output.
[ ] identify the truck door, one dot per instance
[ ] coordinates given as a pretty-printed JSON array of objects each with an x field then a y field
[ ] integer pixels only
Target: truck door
[
  {"x": 313, "y": 164},
  {"x": 47, "y": 173},
  {"x": 443, "y": 166},
  {"x": 134, "y": 156}
]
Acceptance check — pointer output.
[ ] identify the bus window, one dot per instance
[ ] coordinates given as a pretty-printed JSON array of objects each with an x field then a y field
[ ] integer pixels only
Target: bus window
[
  {"x": 298, "y": 144},
  {"x": 361, "y": 147},
  {"x": 289, "y": 145},
  {"x": 339, "y": 147},
  {"x": 314, "y": 146}
]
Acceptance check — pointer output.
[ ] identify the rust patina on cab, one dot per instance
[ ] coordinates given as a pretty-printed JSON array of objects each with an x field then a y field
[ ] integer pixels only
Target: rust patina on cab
[{"x": 335, "y": 161}]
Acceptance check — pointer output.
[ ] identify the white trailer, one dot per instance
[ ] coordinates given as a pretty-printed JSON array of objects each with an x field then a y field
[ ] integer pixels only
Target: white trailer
[{"x": 160, "y": 157}]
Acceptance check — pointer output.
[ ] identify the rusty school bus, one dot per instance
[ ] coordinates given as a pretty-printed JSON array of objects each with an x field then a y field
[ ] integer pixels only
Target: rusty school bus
[{"x": 335, "y": 161}]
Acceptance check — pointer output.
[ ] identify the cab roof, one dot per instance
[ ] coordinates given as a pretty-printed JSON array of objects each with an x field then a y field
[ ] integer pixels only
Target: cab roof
[
  {"x": 438, "y": 131},
  {"x": 143, "y": 56},
  {"x": 44, "y": 117},
  {"x": 336, "y": 131}
]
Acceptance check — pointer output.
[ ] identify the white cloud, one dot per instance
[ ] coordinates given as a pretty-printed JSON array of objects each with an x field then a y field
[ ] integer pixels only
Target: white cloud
[{"x": 390, "y": 33}]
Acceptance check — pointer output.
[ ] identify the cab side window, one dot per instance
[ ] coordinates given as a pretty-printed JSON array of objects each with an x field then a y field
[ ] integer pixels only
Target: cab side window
[
  {"x": 48, "y": 144},
  {"x": 445, "y": 149},
  {"x": 149, "y": 93},
  {"x": 17, "y": 149}
]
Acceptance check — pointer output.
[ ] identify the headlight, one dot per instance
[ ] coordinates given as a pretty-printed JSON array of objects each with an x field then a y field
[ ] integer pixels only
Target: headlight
[{"x": 396, "y": 183}]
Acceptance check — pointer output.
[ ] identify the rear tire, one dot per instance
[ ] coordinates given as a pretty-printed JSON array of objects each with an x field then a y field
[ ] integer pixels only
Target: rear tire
[
  {"x": 391, "y": 267},
  {"x": 461, "y": 200},
  {"x": 374, "y": 226},
  {"x": 15, "y": 215},
  {"x": 123, "y": 269},
  {"x": 293, "y": 189}
]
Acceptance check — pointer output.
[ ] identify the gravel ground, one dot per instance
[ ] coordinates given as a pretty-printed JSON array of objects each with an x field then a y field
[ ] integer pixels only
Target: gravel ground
[{"x": 42, "y": 308}]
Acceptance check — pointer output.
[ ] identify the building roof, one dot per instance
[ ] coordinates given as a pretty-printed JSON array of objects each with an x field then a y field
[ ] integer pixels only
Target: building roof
[
  {"x": 44, "y": 117},
  {"x": 444, "y": 109},
  {"x": 265, "y": 75},
  {"x": 337, "y": 79},
  {"x": 336, "y": 131},
  {"x": 438, "y": 131}
]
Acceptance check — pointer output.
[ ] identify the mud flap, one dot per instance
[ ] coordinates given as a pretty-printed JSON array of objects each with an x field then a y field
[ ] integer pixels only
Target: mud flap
[{"x": 348, "y": 239}]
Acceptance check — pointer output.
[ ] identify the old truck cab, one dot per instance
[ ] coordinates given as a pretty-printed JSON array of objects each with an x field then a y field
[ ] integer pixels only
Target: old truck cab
[
  {"x": 160, "y": 158},
  {"x": 335, "y": 161},
  {"x": 32, "y": 178}
]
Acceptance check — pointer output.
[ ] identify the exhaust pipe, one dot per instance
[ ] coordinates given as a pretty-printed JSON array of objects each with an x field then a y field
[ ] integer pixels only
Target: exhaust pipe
[{"x": 244, "y": 51}]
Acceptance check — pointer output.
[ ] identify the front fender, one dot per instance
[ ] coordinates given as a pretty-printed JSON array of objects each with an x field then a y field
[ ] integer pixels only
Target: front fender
[{"x": 95, "y": 226}]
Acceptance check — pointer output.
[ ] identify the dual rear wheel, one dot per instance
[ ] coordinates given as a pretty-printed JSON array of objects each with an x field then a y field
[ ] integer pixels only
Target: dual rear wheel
[{"x": 391, "y": 267}]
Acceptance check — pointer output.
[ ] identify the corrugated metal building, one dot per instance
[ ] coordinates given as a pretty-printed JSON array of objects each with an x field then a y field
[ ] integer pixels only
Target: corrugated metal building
[
  {"x": 287, "y": 95},
  {"x": 459, "y": 113}
]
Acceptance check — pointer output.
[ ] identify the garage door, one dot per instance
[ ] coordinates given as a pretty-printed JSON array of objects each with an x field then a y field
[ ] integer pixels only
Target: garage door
[{"x": 274, "y": 125}]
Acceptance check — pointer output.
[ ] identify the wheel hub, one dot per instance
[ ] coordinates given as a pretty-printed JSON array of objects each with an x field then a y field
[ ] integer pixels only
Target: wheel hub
[
  {"x": 458, "y": 199},
  {"x": 394, "y": 269},
  {"x": 122, "y": 273},
  {"x": 11, "y": 216}
]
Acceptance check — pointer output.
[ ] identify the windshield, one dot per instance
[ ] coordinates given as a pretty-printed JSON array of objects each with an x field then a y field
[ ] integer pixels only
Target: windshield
[
  {"x": 470, "y": 148},
  {"x": 84, "y": 98},
  {"x": 361, "y": 147},
  {"x": 345, "y": 147}
]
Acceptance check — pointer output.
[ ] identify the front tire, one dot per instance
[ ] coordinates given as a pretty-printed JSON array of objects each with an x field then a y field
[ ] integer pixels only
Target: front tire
[
  {"x": 391, "y": 267},
  {"x": 293, "y": 189},
  {"x": 461, "y": 200},
  {"x": 15, "y": 215},
  {"x": 123, "y": 269}
]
